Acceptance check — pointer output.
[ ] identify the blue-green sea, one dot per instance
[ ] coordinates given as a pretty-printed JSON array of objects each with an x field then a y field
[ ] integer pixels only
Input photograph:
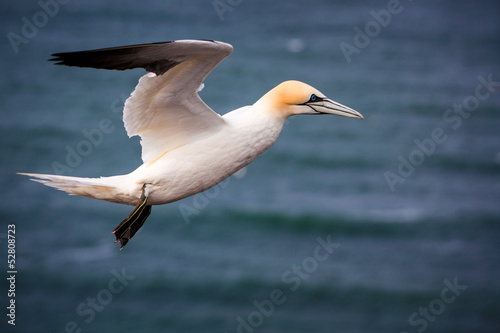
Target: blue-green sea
[{"x": 391, "y": 224}]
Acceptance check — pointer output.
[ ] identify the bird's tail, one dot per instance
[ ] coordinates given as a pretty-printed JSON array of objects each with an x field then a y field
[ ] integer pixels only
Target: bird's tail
[{"x": 104, "y": 188}]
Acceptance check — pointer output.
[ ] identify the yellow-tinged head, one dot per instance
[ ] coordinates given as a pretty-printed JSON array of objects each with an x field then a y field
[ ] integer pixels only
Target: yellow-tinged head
[{"x": 294, "y": 97}]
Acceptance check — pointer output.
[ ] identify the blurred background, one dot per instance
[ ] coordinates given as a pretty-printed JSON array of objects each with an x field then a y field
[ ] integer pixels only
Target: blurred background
[{"x": 414, "y": 216}]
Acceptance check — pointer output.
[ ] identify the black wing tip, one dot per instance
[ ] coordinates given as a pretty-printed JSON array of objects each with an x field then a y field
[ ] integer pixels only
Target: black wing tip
[
  {"x": 65, "y": 59},
  {"x": 58, "y": 56},
  {"x": 62, "y": 58},
  {"x": 121, "y": 57}
]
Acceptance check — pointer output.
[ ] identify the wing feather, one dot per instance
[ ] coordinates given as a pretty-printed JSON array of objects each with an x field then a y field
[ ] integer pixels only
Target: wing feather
[{"x": 164, "y": 109}]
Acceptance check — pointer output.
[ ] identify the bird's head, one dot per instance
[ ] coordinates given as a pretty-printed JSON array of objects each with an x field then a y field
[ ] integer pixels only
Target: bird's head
[{"x": 294, "y": 97}]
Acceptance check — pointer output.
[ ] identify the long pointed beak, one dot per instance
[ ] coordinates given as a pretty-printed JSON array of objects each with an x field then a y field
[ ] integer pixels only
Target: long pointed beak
[{"x": 328, "y": 106}]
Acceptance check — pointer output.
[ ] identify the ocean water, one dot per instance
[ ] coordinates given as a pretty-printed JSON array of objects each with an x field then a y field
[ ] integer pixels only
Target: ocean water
[{"x": 390, "y": 224}]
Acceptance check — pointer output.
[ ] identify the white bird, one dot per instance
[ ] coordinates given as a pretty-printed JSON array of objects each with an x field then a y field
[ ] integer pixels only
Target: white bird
[{"x": 186, "y": 147}]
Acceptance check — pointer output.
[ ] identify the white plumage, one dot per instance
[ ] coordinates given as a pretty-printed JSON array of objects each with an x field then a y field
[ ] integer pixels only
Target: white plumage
[{"x": 186, "y": 147}]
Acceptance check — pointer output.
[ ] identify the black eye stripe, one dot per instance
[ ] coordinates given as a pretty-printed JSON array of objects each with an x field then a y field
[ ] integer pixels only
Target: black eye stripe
[{"x": 313, "y": 98}]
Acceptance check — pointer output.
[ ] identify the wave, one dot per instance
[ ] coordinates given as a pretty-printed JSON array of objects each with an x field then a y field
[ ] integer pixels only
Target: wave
[
  {"x": 325, "y": 162},
  {"x": 424, "y": 226},
  {"x": 439, "y": 160},
  {"x": 466, "y": 165},
  {"x": 161, "y": 288}
]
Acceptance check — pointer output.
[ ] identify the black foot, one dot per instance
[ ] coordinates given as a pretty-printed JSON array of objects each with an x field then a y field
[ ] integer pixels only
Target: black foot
[{"x": 133, "y": 222}]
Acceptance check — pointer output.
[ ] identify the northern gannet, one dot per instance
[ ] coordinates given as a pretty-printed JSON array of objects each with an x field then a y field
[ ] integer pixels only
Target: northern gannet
[{"x": 186, "y": 147}]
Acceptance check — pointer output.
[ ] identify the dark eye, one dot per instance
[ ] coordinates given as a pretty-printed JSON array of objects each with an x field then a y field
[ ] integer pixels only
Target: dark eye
[{"x": 313, "y": 98}]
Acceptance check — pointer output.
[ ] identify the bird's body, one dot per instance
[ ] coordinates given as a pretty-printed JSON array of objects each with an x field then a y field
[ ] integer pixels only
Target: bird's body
[
  {"x": 197, "y": 166},
  {"x": 187, "y": 148}
]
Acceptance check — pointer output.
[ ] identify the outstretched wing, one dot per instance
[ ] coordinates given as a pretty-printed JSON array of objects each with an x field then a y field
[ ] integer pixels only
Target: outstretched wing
[{"x": 164, "y": 109}]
